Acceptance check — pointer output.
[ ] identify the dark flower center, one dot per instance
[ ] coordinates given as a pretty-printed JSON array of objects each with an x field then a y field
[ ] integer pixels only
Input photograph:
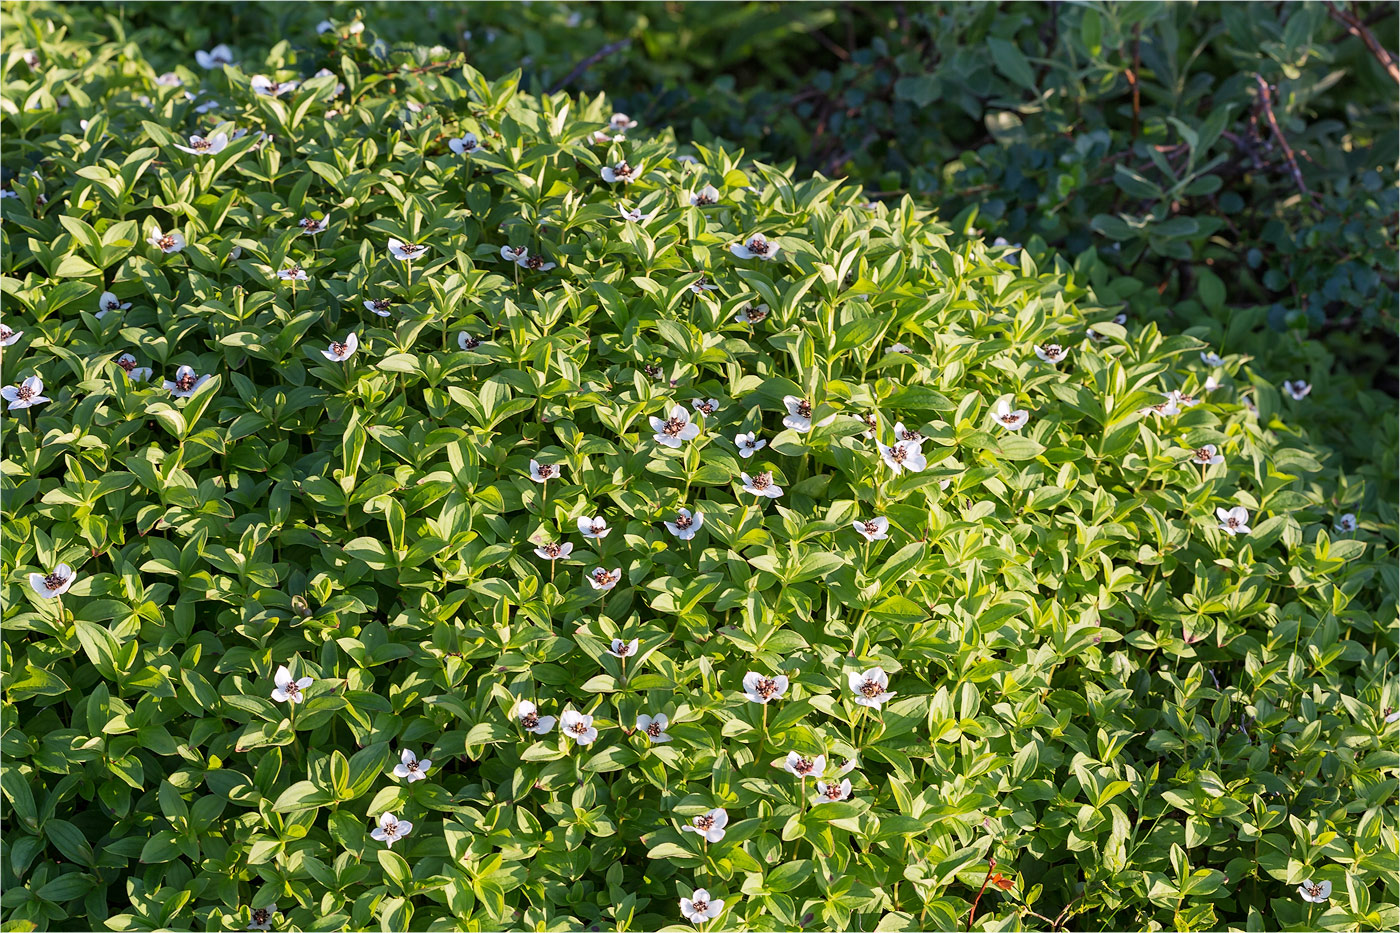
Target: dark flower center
[
  {"x": 5, "y": 332},
  {"x": 755, "y": 314},
  {"x": 673, "y": 427},
  {"x": 762, "y": 481},
  {"x": 869, "y": 420},
  {"x": 706, "y": 408},
  {"x": 111, "y": 304},
  {"x": 337, "y": 348},
  {"x": 1232, "y": 522},
  {"x": 833, "y": 792},
  {"x": 804, "y": 408},
  {"x": 803, "y": 766},
  {"x": 1052, "y": 349},
  {"x": 602, "y": 576},
  {"x": 54, "y": 580},
  {"x": 898, "y": 453},
  {"x": 700, "y": 906},
  {"x": 293, "y": 690},
  {"x": 758, "y": 245},
  {"x": 535, "y": 262},
  {"x": 654, "y": 730},
  {"x": 1011, "y": 418},
  {"x": 578, "y": 728},
  {"x": 908, "y": 435},
  {"x": 684, "y": 521},
  {"x": 766, "y": 688},
  {"x": 703, "y": 821},
  {"x": 184, "y": 382},
  {"x": 871, "y": 689},
  {"x": 622, "y": 170},
  {"x": 410, "y": 249},
  {"x": 471, "y": 343},
  {"x": 552, "y": 550},
  {"x": 622, "y": 648},
  {"x": 1203, "y": 453},
  {"x": 530, "y": 720},
  {"x": 308, "y": 223},
  {"x": 166, "y": 242},
  {"x": 413, "y": 766},
  {"x": 704, "y": 198},
  {"x": 871, "y": 528},
  {"x": 1186, "y": 399},
  {"x": 127, "y": 363},
  {"x": 24, "y": 392},
  {"x": 260, "y": 916},
  {"x": 599, "y": 528},
  {"x": 653, "y": 370},
  {"x": 546, "y": 471},
  {"x": 381, "y": 304}
]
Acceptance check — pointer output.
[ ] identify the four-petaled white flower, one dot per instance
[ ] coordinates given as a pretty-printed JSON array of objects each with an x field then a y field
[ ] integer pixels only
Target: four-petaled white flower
[
  {"x": 748, "y": 444},
  {"x": 904, "y": 455},
  {"x": 1346, "y": 524},
  {"x": 755, "y": 247},
  {"x": 1234, "y": 521},
  {"x": 675, "y": 430},
  {"x": 1183, "y": 400},
  {"x": 468, "y": 341},
  {"x": 1051, "y": 352},
  {"x": 751, "y": 314},
  {"x": 405, "y": 252},
  {"x": 465, "y": 144},
  {"x": 531, "y": 720},
  {"x": 899, "y": 348},
  {"x": 340, "y": 352},
  {"x": 267, "y": 87},
  {"x": 262, "y": 917},
  {"x": 700, "y": 286},
  {"x": 1013, "y": 420},
  {"x": 185, "y": 383},
  {"x": 413, "y": 768},
  {"x": 390, "y": 829},
  {"x": 1163, "y": 409},
  {"x": 705, "y": 196},
  {"x": 379, "y": 306},
  {"x": 205, "y": 145},
  {"x": 171, "y": 242},
  {"x": 760, "y": 688},
  {"x": 314, "y": 225},
  {"x": 553, "y": 551},
  {"x": 1206, "y": 455},
  {"x": 294, "y": 274},
  {"x": 621, "y": 123},
  {"x": 288, "y": 690},
  {"x": 1211, "y": 358},
  {"x": 217, "y": 57},
  {"x": 624, "y": 649},
  {"x": 27, "y": 393},
  {"x": 901, "y": 433},
  {"x": 709, "y": 824},
  {"x": 595, "y": 527},
  {"x": 603, "y": 137},
  {"x": 761, "y": 484},
  {"x": 870, "y": 422},
  {"x": 109, "y": 302},
  {"x": 634, "y": 214},
  {"x": 705, "y": 406},
  {"x": 543, "y": 472},
  {"x": 871, "y": 688},
  {"x": 621, "y": 172},
  {"x": 601, "y": 579},
  {"x": 133, "y": 372},
  {"x": 1315, "y": 893},
  {"x": 168, "y": 79},
  {"x": 654, "y": 727},
  {"x": 700, "y": 907},
  {"x": 1297, "y": 391},
  {"x": 876, "y": 529},
  {"x": 54, "y": 583},
  {"x": 804, "y": 767},
  {"x": 687, "y": 523},
  {"x": 578, "y": 726},
  {"x": 832, "y": 793},
  {"x": 799, "y": 413},
  {"x": 9, "y": 337}
]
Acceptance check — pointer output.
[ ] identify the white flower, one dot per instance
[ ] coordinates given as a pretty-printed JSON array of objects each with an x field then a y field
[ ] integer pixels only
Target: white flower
[
  {"x": 289, "y": 690},
  {"x": 313, "y": 225},
  {"x": 1182, "y": 400},
  {"x": 675, "y": 430},
  {"x": 831, "y": 793},
  {"x": 1163, "y": 409},
  {"x": 390, "y": 829},
  {"x": 904, "y": 455},
  {"x": 1211, "y": 358},
  {"x": 748, "y": 444},
  {"x": 405, "y": 252},
  {"x": 185, "y": 383},
  {"x": 294, "y": 274},
  {"x": 52, "y": 584},
  {"x": 9, "y": 337},
  {"x": 1392, "y": 717},
  {"x": 1009, "y": 257},
  {"x": 751, "y": 314},
  {"x": 848, "y": 766},
  {"x": 901, "y": 433},
  {"x": 760, "y": 688},
  {"x": 705, "y": 196},
  {"x": 1235, "y": 521},
  {"x": 530, "y": 718},
  {"x": 686, "y": 524},
  {"x": 870, "y": 422},
  {"x": 621, "y": 123},
  {"x": 324, "y": 26},
  {"x": 7, "y": 193},
  {"x": 578, "y": 726},
  {"x": 803, "y": 766},
  {"x": 709, "y": 824},
  {"x": 262, "y": 918},
  {"x": 166, "y": 242},
  {"x": 601, "y": 579},
  {"x": 756, "y": 247},
  {"x": 206, "y": 145},
  {"x": 624, "y": 649},
  {"x": 553, "y": 551},
  {"x": 339, "y": 87},
  {"x": 521, "y": 257},
  {"x": 217, "y": 57},
  {"x": 109, "y": 302},
  {"x": 595, "y": 527},
  {"x": 340, "y": 352},
  {"x": 699, "y": 908},
  {"x": 877, "y": 529},
  {"x": 621, "y": 172},
  {"x": 379, "y": 306},
  {"x": 654, "y": 727},
  {"x": 540, "y": 472},
  {"x": 411, "y": 767},
  {"x": 761, "y": 484},
  {"x": 700, "y": 286},
  {"x": 465, "y": 144},
  {"x": 269, "y": 88},
  {"x": 28, "y": 393},
  {"x": 898, "y": 348},
  {"x": 1346, "y": 524},
  {"x": 1297, "y": 391},
  {"x": 603, "y": 137},
  {"x": 1013, "y": 420},
  {"x": 205, "y": 107},
  {"x": 799, "y": 416},
  {"x": 133, "y": 372},
  {"x": 1211, "y": 384},
  {"x": 1051, "y": 352},
  {"x": 1205, "y": 455},
  {"x": 1315, "y": 893},
  {"x": 706, "y": 406},
  {"x": 635, "y": 214},
  {"x": 871, "y": 688}
]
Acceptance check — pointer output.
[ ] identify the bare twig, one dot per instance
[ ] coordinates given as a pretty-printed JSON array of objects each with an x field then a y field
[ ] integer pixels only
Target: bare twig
[
  {"x": 1266, "y": 103},
  {"x": 1368, "y": 38},
  {"x": 590, "y": 61},
  {"x": 1133, "y": 78},
  {"x": 991, "y": 863}
]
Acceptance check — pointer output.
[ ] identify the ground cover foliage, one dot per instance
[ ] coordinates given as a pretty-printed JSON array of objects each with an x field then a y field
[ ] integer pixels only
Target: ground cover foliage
[{"x": 1119, "y": 620}]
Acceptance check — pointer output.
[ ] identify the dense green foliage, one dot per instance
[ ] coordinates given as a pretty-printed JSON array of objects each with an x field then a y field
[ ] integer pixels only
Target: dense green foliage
[{"x": 1147, "y": 717}]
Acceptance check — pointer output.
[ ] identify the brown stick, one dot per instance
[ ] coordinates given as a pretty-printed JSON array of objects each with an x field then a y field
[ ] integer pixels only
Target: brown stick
[
  {"x": 590, "y": 61},
  {"x": 1368, "y": 38},
  {"x": 1268, "y": 107},
  {"x": 1133, "y": 78},
  {"x": 991, "y": 863}
]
